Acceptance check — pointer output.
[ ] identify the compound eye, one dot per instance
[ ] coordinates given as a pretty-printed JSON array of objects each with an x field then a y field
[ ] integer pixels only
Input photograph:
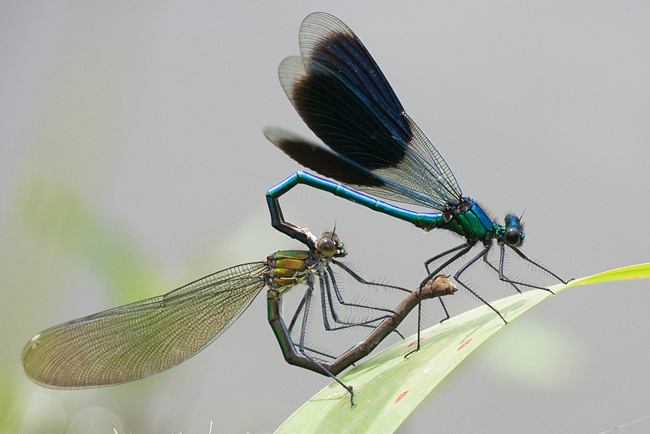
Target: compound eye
[
  {"x": 513, "y": 237},
  {"x": 327, "y": 247}
]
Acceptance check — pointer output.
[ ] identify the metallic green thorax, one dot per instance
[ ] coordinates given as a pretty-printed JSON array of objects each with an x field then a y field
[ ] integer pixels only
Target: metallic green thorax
[{"x": 470, "y": 221}]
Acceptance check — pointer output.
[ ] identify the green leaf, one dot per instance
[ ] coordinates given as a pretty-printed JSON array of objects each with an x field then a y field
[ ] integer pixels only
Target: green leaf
[{"x": 387, "y": 387}]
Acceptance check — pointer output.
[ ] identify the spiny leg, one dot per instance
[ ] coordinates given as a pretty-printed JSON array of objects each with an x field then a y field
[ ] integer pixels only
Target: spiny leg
[
  {"x": 464, "y": 267},
  {"x": 306, "y": 300},
  {"x": 326, "y": 292},
  {"x": 328, "y": 373},
  {"x": 442, "y": 255},
  {"x": 496, "y": 270},
  {"x": 320, "y": 353},
  {"x": 435, "y": 258},
  {"x": 340, "y": 298},
  {"x": 526, "y": 258},
  {"x": 503, "y": 278},
  {"x": 363, "y": 281},
  {"x": 464, "y": 248},
  {"x": 298, "y": 310},
  {"x": 305, "y": 315},
  {"x": 301, "y": 346}
]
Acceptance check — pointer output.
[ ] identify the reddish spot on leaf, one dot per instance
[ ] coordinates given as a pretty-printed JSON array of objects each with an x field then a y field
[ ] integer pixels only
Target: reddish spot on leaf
[
  {"x": 413, "y": 343},
  {"x": 399, "y": 398},
  {"x": 464, "y": 344},
  {"x": 637, "y": 277}
]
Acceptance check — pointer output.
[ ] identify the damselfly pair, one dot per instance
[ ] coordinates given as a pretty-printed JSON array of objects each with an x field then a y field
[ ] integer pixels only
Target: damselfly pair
[{"x": 373, "y": 145}]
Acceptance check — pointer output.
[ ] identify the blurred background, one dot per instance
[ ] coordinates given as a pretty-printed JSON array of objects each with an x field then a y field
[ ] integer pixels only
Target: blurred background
[{"x": 132, "y": 162}]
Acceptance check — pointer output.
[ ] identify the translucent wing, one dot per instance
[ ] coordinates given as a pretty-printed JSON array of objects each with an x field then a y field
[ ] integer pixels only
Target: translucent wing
[
  {"x": 143, "y": 338},
  {"x": 342, "y": 95}
]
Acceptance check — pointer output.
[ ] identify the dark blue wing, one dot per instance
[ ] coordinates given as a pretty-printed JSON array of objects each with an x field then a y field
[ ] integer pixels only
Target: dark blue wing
[
  {"x": 322, "y": 160},
  {"x": 344, "y": 98}
]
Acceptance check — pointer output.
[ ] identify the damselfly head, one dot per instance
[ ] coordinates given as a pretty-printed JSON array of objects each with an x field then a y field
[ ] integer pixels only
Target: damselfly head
[
  {"x": 329, "y": 245},
  {"x": 514, "y": 231}
]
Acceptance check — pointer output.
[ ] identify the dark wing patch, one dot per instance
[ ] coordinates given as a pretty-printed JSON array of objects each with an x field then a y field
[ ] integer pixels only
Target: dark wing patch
[{"x": 321, "y": 160}]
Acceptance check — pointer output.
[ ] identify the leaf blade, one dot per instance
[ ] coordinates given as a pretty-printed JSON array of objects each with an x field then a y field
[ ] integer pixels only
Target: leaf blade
[{"x": 388, "y": 387}]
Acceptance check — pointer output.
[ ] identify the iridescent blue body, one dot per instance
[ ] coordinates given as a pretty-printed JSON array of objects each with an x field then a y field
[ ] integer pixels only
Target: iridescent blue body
[
  {"x": 467, "y": 219},
  {"x": 373, "y": 146}
]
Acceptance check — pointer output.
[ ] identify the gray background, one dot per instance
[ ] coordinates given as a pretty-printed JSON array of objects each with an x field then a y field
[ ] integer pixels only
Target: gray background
[{"x": 132, "y": 161}]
